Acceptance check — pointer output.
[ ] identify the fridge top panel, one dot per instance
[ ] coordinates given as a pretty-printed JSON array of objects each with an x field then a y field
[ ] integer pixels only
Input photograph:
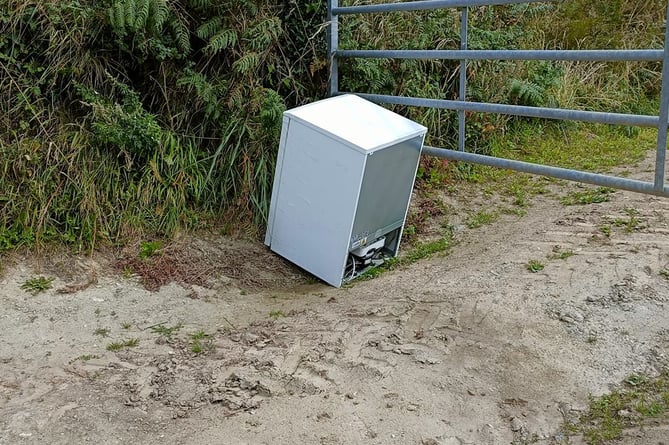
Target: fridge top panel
[{"x": 359, "y": 122}]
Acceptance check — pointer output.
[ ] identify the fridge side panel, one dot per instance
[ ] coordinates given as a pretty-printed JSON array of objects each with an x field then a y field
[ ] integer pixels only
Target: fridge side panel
[
  {"x": 386, "y": 190},
  {"x": 413, "y": 180},
  {"x": 315, "y": 204},
  {"x": 277, "y": 175}
]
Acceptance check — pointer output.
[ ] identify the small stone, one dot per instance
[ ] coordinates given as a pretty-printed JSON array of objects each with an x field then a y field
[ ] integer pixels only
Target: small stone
[
  {"x": 429, "y": 441},
  {"x": 471, "y": 392},
  {"x": 251, "y": 338},
  {"x": 516, "y": 424},
  {"x": 412, "y": 407},
  {"x": 571, "y": 316},
  {"x": 322, "y": 416},
  {"x": 625, "y": 414}
]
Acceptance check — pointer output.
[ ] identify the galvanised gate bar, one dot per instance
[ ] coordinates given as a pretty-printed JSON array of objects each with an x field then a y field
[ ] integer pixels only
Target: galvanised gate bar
[{"x": 657, "y": 187}]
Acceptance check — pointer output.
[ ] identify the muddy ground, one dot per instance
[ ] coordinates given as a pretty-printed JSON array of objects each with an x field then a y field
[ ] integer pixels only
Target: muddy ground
[{"x": 465, "y": 347}]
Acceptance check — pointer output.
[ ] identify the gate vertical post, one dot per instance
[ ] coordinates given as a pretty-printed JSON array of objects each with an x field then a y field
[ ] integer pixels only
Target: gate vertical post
[
  {"x": 661, "y": 155},
  {"x": 333, "y": 45},
  {"x": 464, "y": 17}
]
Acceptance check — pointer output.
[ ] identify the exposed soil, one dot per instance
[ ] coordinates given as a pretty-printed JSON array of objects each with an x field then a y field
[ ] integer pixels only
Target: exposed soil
[{"x": 467, "y": 347}]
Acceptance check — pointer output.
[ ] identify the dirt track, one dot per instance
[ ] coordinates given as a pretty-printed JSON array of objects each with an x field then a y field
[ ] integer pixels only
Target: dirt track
[{"x": 464, "y": 348}]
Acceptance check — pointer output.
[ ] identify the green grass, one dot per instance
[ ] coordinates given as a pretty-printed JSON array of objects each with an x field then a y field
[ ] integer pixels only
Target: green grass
[
  {"x": 37, "y": 285},
  {"x": 630, "y": 223},
  {"x": 87, "y": 357},
  {"x": 102, "y": 332},
  {"x": 592, "y": 196},
  {"x": 166, "y": 331},
  {"x": 596, "y": 148},
  {"x": 148, "y": 249},
  {"x": 201, "y": 342},
  {"x": 117, "y": 346},
  {"x": 559, "y": 254},
  {"x": 277, "y": 314},
  {"x": 482, "y": 218},
  {"x": 535, "y": 266},
  {"x": 640, "y": 400},
  {"x": 414, "y": 253}
]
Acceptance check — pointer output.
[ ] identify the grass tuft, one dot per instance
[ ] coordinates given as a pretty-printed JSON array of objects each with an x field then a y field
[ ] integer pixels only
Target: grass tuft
[
  {"x": 117, "y": 346},
  {"x": 593, "y": 196},
  {"x": 641, "y": 400},
  {"x": 37, "y": 285},
  {"x": 166, "y": 331},
  {"x": 535, "y": 266}
]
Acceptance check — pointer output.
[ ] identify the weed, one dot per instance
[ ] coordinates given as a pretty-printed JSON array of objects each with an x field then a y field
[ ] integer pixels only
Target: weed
[
  {"x": 559, "y": 254},
  {"x": 535, "y": 266},
  {"x": 605, "y": 229},
  {"x": 629, "y": 224},
  {"x": 102, "y": 332},
  {"x": 481, "y": 218},
  {"x": 593, "y": 196},
  {"x": 664, "y": 273},
  {"x": 201, "y": 342},
  {"x": 199, "y": 335},
  {"x": 126, "y": 325},
  {"x": 166, "y": 331},
  {"x": 425, "y": 249},
  {"x": 128, "y": 272},
  {"x": 85, "y": 357},
  {"x": 566, "y": 254},
  {"x": 416, "y": 253},
  {"x": 516, "y": 211},
  {"x": 148, "y": 249},
  {"x": 639, "y": 399},
  {"x": 277, "y": 314},
  {"x": 117, "y": 346},
  {"x": 36, "y": 285}
]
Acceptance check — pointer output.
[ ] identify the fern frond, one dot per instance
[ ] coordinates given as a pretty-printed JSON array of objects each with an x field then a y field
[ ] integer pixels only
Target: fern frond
[
  {"x": 527, "y": 93},
  {"x": 200, "y": 4},
  {"x": 222, "y": 40},
  {"x": 209, "y": 28},
  {"x": 181, "y": 33},
  {"x": 117, "y": 17},
  {"x": 264, "y": 33},
  {"x": 250, "y": 6},
  {"x": 246, "y": 63},
  {"x": 160, "y": 12},
  {"x": 142, "y": 14},
  {"x": 237, "y": 97},
  {"x": 272, "y": 108},
  {"x": 129, "y": 7}
]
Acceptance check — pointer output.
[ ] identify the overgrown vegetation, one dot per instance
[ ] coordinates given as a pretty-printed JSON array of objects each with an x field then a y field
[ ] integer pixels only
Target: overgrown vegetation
[
  {"x": 578, "y": 24},
  {"x": 640, "y": 401},
  {"x": 130, "y": 119},
  {"x": 123, "y": 117}
]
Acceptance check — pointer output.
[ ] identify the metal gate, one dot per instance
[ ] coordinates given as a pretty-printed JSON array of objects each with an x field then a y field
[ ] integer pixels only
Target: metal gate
[{"x": 462, "y": 105}]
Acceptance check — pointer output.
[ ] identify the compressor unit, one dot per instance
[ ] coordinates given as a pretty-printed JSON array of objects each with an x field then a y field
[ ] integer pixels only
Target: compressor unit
[{"x": 344, "y": 175}]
